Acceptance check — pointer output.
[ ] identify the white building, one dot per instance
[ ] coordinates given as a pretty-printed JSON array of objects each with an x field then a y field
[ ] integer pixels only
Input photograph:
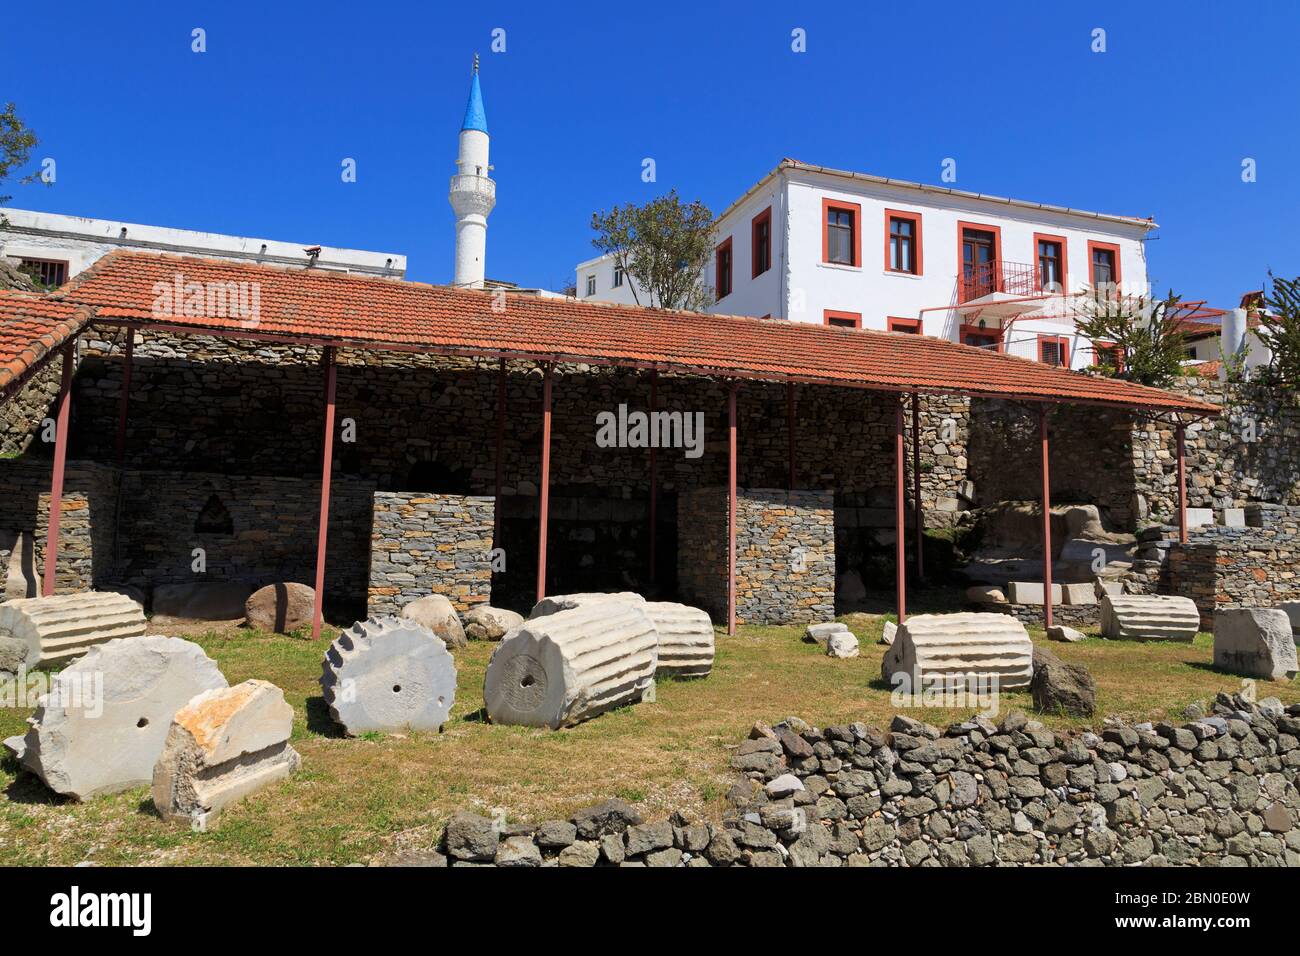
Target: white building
[
  {"x": 58, "y": 247},
  {"x": 811, "y": 244}
]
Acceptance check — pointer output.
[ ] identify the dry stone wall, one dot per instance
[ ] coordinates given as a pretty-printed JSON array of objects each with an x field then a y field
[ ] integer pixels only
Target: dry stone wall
[{"x": 430, "y": 544}]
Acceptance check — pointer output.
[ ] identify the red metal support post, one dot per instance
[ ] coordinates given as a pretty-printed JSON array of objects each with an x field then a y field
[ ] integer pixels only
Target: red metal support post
[
  {"x": 128, "y": 353},
  {"x": 62, "y": 418},
  {"x": 789, "y": 430},
  {"x": 654, "y": 476},
  {"x": 1181, "y": 433},
  {"x": 327, "y": 463},
  {"x": 900, "y": 514},
  {"x": 544, "y": 488},
  {"x": 731, "y": 510},
  {"x": 1047, "y": 518},
  {"x": 500, "y": 464},
  {"x": 916, "y": 485}
]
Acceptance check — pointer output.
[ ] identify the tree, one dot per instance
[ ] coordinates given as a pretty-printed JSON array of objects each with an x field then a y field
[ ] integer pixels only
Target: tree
[
  {"x": 1146, "y": 335},
  {"x": 16, "y": 144},
  {"x": 1279, "y": 330},
  {"x": 662, "y": 248}
]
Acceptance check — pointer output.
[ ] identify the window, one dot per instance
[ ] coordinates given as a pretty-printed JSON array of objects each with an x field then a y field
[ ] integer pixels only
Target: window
[
  {"x": 1054, "y": 350},
  {"x": 1049, "y": 256},
  {"x": 844, "y": 320},
  {"x": 979, "y": 257},
  {"x": 761, "y": 242},
  {"x": 723, "y": 269},
  {"x": 981, "y": 338},
  {"x": 48, "y": 272},
  {"x": 591, "y": 285},
  {"x": 912, "y": 326},
  {"x": 1103, "y": 264},
  {"x": 618, "y": 276},
  {"x": 1108, "y": 353},
  {"x": 841, "y": 238},
  {"x": 903, "y": 242}
]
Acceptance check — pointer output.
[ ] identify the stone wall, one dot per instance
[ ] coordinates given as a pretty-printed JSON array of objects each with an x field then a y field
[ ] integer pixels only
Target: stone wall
[
  {"x": 785, "y": 554},
  {"x": 430, "y": 544},
  {"x": 20, "y": 417},
  {"x": 1219, "y": 790},
  {"x": 1235, "y": 567}
]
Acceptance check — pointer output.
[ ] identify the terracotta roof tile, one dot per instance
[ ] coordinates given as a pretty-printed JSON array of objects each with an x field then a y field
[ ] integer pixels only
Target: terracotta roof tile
[
  {"x": 32, "y": 327},
  {"x": 332, "y": 308}
]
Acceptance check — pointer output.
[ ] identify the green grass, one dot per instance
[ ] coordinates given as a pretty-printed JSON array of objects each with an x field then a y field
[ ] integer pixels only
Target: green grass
[{"x": 356, "y": 798}]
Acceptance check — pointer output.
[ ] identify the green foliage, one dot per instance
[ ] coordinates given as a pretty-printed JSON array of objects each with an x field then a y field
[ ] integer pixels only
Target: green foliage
[
  {"x": 1279, "y": 330},
  {"x": 1145, "y": 331},
  {"x": 662, "y": 247},
  {"x": 16, "y": 144}
]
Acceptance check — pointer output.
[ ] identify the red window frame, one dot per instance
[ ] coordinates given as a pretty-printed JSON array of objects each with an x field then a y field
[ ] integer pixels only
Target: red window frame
[
  {"x": 1099, "y": 346},
  {"x": 723, "y": 246},
  {"x": 1111, "y": 247},
  {"x": 1065, "y": 260},
  {"x": 917, "y": 259},
  {"x": 854, "y": 209},
  {"x": 974, "y": 330},
  {"x": 962, "y": 226},
  {"x": 764, "y": 217},
  {"x": 841, "y": 319},
  {"x": 1061, "y": 342},
  {"x": 912, "y": 326}
]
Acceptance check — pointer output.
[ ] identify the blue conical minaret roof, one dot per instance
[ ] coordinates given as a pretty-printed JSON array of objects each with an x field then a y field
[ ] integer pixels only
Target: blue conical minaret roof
[{"x": 475, "y": 117}]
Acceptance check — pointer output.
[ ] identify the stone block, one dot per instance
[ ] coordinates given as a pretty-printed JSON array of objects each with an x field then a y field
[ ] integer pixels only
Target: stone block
[
  {"x": 1234, "y": 517},
  {"x": 1199, "y": 517},
  {"x": 1149, "y": 617},
  {"x": 1255, "y": 642},
  {"x": 61, "y": 628},
  {"x": 223, "y": 746},
  {"x": 282, "y": 607},
  {"x": 842, "y": 644},
  {"x": 685, "y": 639},
  {"x": 1031, "y": 592},
  {"x": 1078, "y": 594},
  {"x": 961, "y": 647}
]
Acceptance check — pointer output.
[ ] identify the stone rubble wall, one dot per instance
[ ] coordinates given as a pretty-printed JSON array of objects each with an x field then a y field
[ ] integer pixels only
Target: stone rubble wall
[
  {"x": 785, "y": 554},
  {"x": 21, "y": 416},
  {"x": 424, "y": 544},
  {"x": 1218, "y": 790}
]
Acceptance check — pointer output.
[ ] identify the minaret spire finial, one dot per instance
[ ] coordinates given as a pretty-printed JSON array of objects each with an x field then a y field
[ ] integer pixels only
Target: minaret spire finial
[{"x": 475, "y": 62}]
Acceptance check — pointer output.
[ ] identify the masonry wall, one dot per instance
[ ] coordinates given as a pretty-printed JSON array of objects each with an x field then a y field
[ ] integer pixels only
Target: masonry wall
[
  {"x": 430, "y": 544},
  {"x": 785, "y": 554}
]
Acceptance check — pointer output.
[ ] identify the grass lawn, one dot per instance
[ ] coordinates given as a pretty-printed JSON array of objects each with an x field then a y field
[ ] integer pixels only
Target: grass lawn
[{"x": 355, "y": 798}]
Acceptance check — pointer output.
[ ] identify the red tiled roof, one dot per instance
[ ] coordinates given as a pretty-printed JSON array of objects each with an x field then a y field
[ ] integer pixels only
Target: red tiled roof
[
  {"x": 333, "y": 309},
  {"x": 32, "y": 327}
]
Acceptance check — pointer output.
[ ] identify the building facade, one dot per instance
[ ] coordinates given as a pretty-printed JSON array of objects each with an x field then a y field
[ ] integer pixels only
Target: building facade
[{"x": 810, "y": 244}]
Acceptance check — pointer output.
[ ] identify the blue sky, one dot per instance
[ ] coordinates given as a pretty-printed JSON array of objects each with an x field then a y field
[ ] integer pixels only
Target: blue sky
[{"x": 248, "y": 137}]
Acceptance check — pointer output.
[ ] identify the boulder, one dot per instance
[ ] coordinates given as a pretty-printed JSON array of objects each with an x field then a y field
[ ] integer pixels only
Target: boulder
[
  {"x": 1061, "y": 688},
  {"x": 59, "y": 629},
  {"x": 1149, "y": 617},
  {"x": 487, "y": 623},
  {"x": 438, "y": 614},
  {"x": 821, "y": 632},
  {"x": 13, "y": 655},
  {"x": 842, "y": 644},
  {"x": 102, "y": 727},
  {"x": 388, "y": 674},
  {"x": 959, "y": 648},
  {"x": 555, "y": 603},
  {"x": 985, "y": 594},
  {"x": 1255, "y": 642},
  {"x": 562, "y": 668},
  {"x": 1059, "y": 632},
  {"x": 223, "y": 745},
  {"x": 685, "y": 639},
  {"x": 849, "y": 587},
  {"x": 281, "y": 607},
  {"x": 206, "y": 601}
]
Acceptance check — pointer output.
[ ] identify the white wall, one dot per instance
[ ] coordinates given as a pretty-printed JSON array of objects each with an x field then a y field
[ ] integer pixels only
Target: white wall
[{"x": 602, "y": 267}]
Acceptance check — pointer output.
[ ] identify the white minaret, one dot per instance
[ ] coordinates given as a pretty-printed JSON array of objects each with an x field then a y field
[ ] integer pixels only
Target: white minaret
[{"x": 473, "y": 192}]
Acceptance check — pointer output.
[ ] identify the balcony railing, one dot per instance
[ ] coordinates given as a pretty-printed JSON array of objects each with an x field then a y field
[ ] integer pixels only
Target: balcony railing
[{"x": 985, "y": 278}]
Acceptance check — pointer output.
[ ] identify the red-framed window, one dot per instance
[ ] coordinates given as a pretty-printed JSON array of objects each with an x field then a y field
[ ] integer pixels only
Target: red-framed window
[
  {"x": 1103, "y": 264},
  {"x": 1108, "y": 353},
  {"x": 722, "y": 268},
  {"x": 841, "y": 233},
  {"x": 903, "y": 242},
  {"x": 989, "y": 339},
  {"x": 1051, "y": 270},
  {"x": 912, "y": 326},
  {"x": 1054, "y": 350},
  {"x": 979, "y": 260},
  {"x": 844, "y": 320},
  {"x": 760, "y": 234},
  {"x": 48, "y": 272}
]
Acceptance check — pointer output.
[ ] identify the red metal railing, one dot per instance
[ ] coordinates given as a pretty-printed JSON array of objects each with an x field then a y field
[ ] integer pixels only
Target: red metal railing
[{"x": 985, "y": 278}]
